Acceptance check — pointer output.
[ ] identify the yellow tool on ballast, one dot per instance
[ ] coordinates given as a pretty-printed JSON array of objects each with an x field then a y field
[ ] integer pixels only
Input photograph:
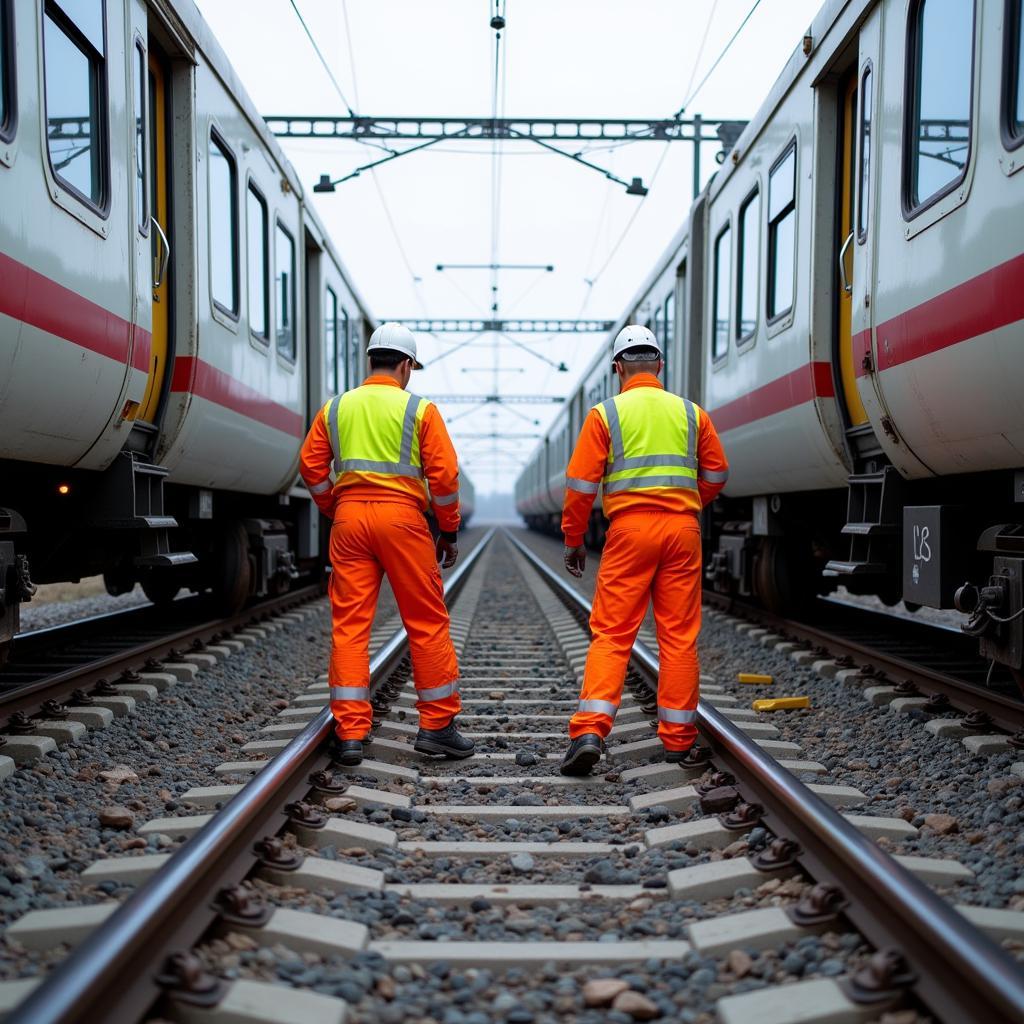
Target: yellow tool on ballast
[
  {"x": 754, "y": 678},
  {"x": 781, "y": 703}
]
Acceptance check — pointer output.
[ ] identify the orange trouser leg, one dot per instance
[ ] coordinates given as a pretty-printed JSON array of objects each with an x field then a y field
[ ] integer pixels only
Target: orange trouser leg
[
  {"x": 628, "y": 563},
  {"x": 355, "y": 584},
  {"x": 677, "y": 592},
  {"x": 405, "y": 549}
]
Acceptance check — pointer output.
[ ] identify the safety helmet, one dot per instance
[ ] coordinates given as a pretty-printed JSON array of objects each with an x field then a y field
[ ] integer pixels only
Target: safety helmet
[
  {"x": 634, "y": 336},
  {"x": 394, "y": 338}
]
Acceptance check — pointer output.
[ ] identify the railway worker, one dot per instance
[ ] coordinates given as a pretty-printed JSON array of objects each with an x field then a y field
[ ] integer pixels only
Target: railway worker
[
  {"x": 660, "y": 462},
  {"x": 385, "y": 445}
]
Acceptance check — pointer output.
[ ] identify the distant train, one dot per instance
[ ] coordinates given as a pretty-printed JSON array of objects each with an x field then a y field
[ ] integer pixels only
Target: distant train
[
  {"x": 846, "y": 299},
  {"x": 172, "y": 313}
]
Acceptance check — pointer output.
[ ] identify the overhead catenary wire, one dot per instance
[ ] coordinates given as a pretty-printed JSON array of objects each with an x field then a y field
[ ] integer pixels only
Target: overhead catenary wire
[
  {"x": 718, "y": 60},
  {"x": 323, "y": 60}
]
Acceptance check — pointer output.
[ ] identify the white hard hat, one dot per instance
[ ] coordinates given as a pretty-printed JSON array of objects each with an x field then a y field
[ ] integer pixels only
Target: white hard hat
[
  {"x": 634, "y": 336},
  {"x": 395, "y": 338}
]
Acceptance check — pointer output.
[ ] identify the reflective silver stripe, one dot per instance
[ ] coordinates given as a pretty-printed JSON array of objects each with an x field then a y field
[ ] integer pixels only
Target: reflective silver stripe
[
  {"x": 714, "y": 476},
  {"x": 369, "y": 466},
  {"x": 445, "y": 499},
  {"x": 614, "y": 428},
  {"x": 332, "y": 426},
  {"x": 599, "y": 707},
  {"x": 638, "y": 483},
  {"x": 350, "y": 693},
  {"x": 647, "y": 461},
  {"x": 320, "y": 488},
  {"x": 409, "y": 429},
  {"x": 584, "y": 486},
  {"x": 437, "y": 692},
  {"x": 675, "y": 715},
  {"x": 691, "y": 428}
]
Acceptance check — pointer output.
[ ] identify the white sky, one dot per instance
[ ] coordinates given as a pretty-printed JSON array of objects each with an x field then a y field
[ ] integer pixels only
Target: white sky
[{"x": 561, "y": 58}]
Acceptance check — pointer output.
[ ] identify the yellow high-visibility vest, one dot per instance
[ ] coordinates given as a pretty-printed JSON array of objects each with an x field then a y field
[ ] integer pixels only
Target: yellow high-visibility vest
[
  {"x": 375, "y": 436},
  {"x": 653, "y": 441}
]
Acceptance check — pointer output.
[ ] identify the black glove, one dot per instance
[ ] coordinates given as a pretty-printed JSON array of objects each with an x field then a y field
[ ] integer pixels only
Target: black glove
[
  {"x": 446, "y": 549},
  {"x": 576, "y": 560}
]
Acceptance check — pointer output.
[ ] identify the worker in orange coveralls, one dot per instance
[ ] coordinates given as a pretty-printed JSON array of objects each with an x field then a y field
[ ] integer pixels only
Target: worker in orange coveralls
[
  {"x": 385, "y": 446},
  {"x": 659, "y": 461}
]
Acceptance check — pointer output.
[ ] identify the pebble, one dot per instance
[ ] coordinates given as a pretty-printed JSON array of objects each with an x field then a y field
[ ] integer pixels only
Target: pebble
[
  {"x": 116, "y": 816},
  {"x": 943, "y": 824},
  {"x": 118, "y": 775},
  {"x": 522, "y": 862},
  {"x": 340, "y": 804},
  {"x": 603, "y": 991},
  {"x": 638, "y": 1006},
  {"x": 525, "y": 758}
]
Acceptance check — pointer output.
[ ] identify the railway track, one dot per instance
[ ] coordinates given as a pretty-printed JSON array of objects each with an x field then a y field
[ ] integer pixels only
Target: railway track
[
  {"x": 497, "y": 889},
  {"x": 62, "y": 674},
  {"x": 939, "y": 670}
]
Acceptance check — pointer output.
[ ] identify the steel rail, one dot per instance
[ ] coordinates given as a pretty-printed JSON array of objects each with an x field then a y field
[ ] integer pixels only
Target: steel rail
[
  {"x": 1004, "y": 711},
  {"x": 30, "y": 697},
  {"x": 112, "y": 976},
  {"x": 961, "y": 974}
]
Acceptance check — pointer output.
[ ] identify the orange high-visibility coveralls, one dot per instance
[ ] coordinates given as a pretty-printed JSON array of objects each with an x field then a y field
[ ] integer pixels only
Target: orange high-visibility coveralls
[
  {"x": 379, "y": 527},
  {"x": 653, "y": 549}
]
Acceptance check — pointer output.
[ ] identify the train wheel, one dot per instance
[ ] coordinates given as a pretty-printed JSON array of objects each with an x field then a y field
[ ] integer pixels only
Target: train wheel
[
  {"x": 783, "y": 577},
  {"x": 230, "y": 570},
  {"x": 160, "y": 588}
]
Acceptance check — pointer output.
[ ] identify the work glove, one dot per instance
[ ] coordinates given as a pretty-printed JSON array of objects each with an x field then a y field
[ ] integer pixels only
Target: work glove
[
  {"x": 447, "y": 551},
  {"x": 576, "y": 560}
]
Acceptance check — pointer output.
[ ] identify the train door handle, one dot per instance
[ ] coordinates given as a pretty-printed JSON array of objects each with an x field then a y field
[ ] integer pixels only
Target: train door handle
[
  {"x": 847, "y": 286},
  {"x": 165, "y": 259}
]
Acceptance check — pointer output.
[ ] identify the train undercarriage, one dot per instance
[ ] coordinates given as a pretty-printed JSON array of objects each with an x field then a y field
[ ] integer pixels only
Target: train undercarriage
[{"x": 58, "y": 525}]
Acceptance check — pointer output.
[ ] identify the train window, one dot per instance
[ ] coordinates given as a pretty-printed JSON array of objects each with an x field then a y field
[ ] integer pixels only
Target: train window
[
  {"x": 939, "y": 84},
  {"x": 284, "y": 262},
  {"x": 74, "y": 59},
  {"x": 669, "y": 320},
  {"x": 723, "y": 290},
  {"x": 257, "y": 259},
  {"x": 781, "y": 233},
  {"x": 748, "y": 263},
  {"x": 331, "y": 341},
  {"x": 1013, "y": 95},
  {"x": 352, "y": 361},
  {"x": 139, "y": 91},
  {"x": 7, "y": 105},
  {"x": 864, "y": 185},
  {"x": 223, "y": 227}
]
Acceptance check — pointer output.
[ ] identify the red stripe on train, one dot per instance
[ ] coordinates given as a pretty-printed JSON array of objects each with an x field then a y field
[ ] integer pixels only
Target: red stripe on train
[
  {"x": 802, "y": 385},
  {"x": 34, "y": 299},
  {"x": 985, "y": 303},
  {"x": 192, "y": 375}
]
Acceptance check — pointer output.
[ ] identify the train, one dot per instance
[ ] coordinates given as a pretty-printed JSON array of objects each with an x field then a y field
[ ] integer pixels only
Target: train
[
  {"x": 845, "y": 298},
  {"x": 172, "y": 314}
]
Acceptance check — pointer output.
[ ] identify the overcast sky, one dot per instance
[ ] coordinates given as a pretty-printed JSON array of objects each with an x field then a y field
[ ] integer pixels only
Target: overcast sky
[{"x": 559, "y": 58}]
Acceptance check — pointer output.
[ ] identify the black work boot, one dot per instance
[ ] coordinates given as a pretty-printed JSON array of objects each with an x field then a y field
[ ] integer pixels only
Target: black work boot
[
  {"x": 346, "y": 752},
  {"x": 447, "y": 741},
  {"x": 583, "y": 753},
  {"x": 675, "y": 756}
]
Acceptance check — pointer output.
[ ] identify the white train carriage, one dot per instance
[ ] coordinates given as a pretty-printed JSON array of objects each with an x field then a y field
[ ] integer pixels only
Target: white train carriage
[
  {"x": 170, "y": 312},
  {"x": 859, "y": 348}
]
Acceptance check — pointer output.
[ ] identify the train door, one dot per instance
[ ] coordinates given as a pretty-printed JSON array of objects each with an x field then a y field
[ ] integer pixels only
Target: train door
[
  {"x": 856, "y": 415},
  {"x": 160, "y": 235}
]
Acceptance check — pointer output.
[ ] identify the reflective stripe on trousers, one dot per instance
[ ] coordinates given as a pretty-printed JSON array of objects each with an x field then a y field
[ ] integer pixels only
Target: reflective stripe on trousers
[
  {"x": 438, "y": 692},
  {"x": 350, "y": 693},
  {"x": 676, "y": 715},
  {"x": 599, "y": 707}
]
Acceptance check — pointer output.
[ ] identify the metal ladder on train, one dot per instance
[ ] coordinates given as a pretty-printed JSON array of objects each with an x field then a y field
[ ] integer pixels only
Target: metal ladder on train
[{"x": 872, "y": 524}]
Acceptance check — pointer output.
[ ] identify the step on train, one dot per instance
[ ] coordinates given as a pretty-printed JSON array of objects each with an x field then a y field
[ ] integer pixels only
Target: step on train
[
  {"x": 172, "y": 314},
  {"x": 846, "y": 299}
]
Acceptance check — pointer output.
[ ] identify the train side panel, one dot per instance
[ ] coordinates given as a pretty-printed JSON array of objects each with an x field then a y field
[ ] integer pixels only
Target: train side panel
[{"x": 73, "y": 349}]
